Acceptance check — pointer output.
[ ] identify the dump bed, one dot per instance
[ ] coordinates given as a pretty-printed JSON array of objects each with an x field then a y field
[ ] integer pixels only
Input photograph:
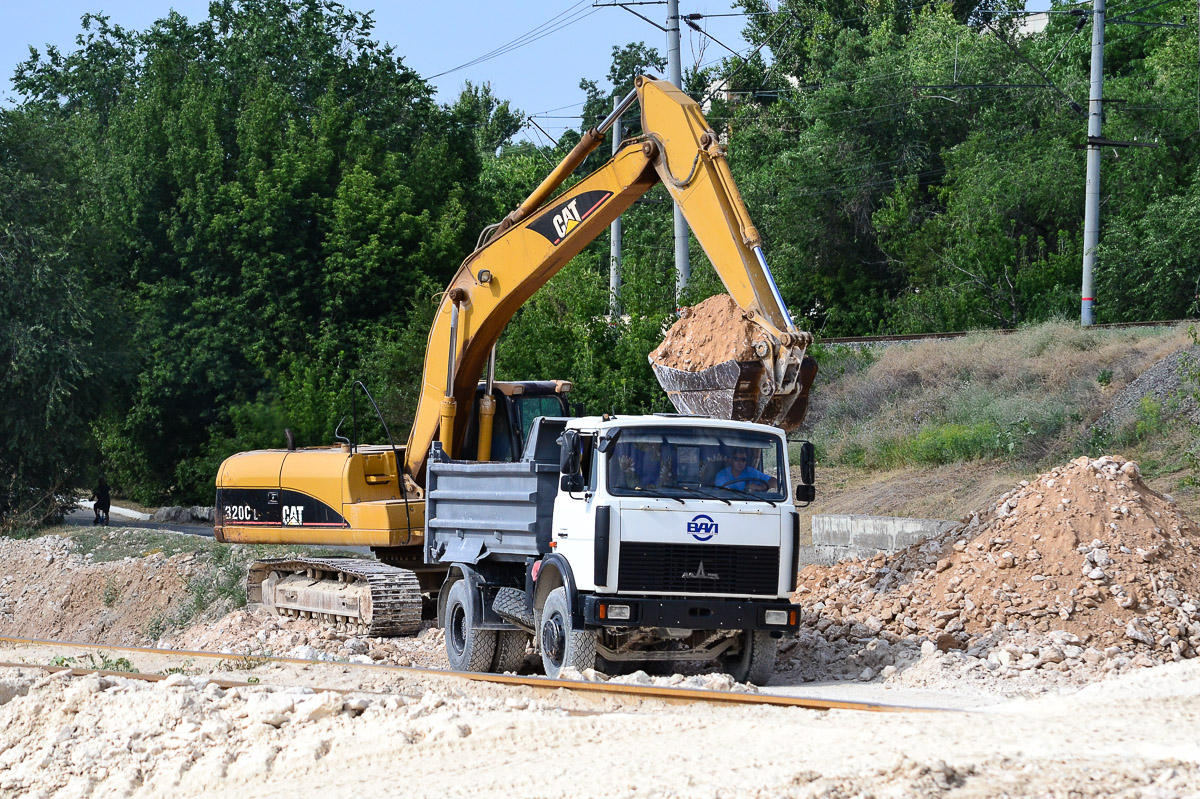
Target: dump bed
[{"x": 499, "y": 511}]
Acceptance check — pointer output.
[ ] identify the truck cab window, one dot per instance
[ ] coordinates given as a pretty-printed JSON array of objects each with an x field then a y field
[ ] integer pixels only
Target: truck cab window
[{"x": 673, "y": 461}]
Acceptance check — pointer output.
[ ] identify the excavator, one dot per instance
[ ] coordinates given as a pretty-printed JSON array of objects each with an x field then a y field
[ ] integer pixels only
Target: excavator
[{"x": 357, "y": 495}]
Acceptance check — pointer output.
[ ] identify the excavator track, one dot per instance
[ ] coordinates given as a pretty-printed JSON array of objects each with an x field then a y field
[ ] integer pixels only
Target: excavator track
[{"x": 353, "y": 594}]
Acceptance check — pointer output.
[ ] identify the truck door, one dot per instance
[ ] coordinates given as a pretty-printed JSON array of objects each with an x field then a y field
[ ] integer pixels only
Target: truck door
[{"x": 574, "y": 518}]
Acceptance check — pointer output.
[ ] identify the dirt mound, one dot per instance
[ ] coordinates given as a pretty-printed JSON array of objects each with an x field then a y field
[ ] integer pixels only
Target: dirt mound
[
  {"x": 49, "y": 590},
  {"x": 1087, "y": 551},
  {"x": 259, "y": 632},
  {"x": 707, "y": 334}
]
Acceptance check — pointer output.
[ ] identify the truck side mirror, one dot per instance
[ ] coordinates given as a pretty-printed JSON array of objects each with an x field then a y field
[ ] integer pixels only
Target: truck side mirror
[
  {"x": 572, "y": 483},
  {"x": 804, "y": 493},
  {"x": 808, "y": 463},
  {"x": 568, "y": 456}
]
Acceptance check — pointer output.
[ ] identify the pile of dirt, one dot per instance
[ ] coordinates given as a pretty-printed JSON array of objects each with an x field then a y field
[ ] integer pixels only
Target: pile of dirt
[
  {"x": 1083, "y": 568},
  {"x": 713, "y": 332},
  {"x": 109, "y": 736},
  {"x": 49, "y": 590},
  {"x": 257, "y": 631}
]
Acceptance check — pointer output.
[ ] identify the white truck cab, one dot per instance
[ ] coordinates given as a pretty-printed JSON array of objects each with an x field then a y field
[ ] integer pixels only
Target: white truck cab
[{"x": 632, "y": 539}]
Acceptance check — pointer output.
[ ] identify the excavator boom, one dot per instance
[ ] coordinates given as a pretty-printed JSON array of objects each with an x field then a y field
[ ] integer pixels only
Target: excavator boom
[{"x": 679, "y": 150}]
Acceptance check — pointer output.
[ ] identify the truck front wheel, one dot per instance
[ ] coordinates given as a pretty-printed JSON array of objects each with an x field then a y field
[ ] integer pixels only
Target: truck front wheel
[
  {"x": 564, "y": 646},
  {"x": 756, "y": 663},
  {"x": 468, "y": 648}
]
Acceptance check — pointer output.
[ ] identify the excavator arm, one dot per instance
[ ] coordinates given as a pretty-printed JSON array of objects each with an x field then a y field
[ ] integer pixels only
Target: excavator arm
[{"x": 537, "y": 239}]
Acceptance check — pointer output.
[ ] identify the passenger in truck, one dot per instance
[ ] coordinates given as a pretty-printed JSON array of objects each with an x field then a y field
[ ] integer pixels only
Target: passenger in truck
[
  {"x": 737, "y": 475},
  {"x": 638, "y": 465}
]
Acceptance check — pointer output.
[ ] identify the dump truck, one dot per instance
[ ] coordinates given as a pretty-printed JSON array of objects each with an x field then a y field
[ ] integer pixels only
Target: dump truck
[
  {"x": 351, "y": 494},
  {"x": 632, "y": 539}
]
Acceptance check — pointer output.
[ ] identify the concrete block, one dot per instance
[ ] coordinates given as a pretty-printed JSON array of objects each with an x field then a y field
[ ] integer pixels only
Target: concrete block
[{"x": 836, "y": 537}]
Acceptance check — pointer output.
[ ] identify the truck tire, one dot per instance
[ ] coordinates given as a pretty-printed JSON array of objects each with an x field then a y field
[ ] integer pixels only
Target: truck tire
[
  {"x": 468, "y": 648},
  {"x": 564, "y": 646},
  {"x": 756, "y": 662},
  {"x": 510, "y": 650}
]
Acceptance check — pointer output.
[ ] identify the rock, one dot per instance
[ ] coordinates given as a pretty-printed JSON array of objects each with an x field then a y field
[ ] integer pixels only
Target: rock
[
  {"x": 201, "y": 514},
  {"x": 357, "y": 646},
  {"x": 269, "y": 708},
  {"x": 318, "y": 707},
  {"x": 867, "y": 674},
  {"x": 1051, "y": 654},
  {"x": 928, "y": 648},
  {"x": 306, "y": 652},
  {"x": 1137, "y": 630},
  {"x": 172, "y": 515},
  {"x": 947, "y": 641}
]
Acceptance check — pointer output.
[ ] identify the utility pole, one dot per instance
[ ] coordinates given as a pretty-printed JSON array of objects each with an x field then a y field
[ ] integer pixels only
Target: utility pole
[
  {"x": 683, "y": 267},
  {"x": 1091, "y": 211},
  {"x": 614, "y": 245}
]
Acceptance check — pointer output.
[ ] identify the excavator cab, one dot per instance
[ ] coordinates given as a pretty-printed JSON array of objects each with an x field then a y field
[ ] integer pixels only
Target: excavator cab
[{"x": 518, "y": 403}]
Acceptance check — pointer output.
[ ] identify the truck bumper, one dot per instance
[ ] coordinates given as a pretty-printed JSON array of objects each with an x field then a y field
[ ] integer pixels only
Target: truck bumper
[{"x": 690, "y": 614}]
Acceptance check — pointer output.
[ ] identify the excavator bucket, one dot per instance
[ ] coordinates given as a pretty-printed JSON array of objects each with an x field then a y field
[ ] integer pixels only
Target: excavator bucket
[
  {"x": 739, "y": 390},
  {"x": 718, "y": 361}
]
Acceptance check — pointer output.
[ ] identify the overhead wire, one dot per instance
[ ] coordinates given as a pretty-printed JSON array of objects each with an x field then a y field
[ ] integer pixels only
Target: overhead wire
[{"x": 573, "y": 15}]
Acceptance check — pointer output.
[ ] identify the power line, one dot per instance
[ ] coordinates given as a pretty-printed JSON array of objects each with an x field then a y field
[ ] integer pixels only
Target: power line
[{"x": 552, "y": 25}]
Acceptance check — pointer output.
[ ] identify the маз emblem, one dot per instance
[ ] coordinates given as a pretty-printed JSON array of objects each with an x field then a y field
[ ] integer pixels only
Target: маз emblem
[{"x": 700, "y": 574}]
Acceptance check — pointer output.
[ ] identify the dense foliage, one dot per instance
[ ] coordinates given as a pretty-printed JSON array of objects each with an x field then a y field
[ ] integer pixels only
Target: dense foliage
[{"x": 210, "y": 228}]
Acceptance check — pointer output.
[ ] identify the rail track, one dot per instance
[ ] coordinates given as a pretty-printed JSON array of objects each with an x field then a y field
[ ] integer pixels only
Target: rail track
[
  {"x": 897, "y": 339},
  {"x": 663, "y": 693}
]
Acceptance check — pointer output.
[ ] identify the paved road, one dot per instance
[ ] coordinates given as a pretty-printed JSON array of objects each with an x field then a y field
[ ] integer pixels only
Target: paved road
[
  {"x": 116, "y": 518},
  {"x": 124, "y": 517}
]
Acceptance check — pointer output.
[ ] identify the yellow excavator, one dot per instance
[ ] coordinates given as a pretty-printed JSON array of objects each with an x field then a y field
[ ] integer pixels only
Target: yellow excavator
[{"x": 373, "y": 496}]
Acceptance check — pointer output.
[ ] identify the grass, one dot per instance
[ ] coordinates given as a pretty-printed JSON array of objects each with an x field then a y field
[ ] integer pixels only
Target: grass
[
  {"x": 907, "y": 428},
  {"x": 111, "y": 593},
  {"x": 100, "y": 661},
  {"x": 1028, "y": 397}
]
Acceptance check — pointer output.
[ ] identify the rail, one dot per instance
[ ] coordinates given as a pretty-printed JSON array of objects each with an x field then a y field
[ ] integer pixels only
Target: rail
[{"x": 665, "y": 693}]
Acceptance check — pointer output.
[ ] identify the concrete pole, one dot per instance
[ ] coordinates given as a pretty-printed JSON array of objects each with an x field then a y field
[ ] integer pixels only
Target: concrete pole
[
  {"x": 614, "y": 246},
  {"x": 683, "y": 266},
  {"x": 1091, "y": 211}
]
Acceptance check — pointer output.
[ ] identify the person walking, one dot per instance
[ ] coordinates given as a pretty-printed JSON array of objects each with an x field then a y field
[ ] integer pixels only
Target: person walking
[{"x": 103, "y": 501}]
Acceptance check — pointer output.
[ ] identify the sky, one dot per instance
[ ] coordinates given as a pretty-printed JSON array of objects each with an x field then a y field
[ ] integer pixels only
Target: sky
[{"x": 551, "y": 44}]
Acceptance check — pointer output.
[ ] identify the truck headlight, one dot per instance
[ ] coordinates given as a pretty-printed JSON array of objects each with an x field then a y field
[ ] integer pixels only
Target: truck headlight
[
  {"x": 618, "y": 612},
  {"x": 776, "y": 617}
]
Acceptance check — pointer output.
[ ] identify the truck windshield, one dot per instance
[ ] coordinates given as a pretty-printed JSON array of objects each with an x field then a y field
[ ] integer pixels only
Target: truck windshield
[{"x": 727, "y": 464}]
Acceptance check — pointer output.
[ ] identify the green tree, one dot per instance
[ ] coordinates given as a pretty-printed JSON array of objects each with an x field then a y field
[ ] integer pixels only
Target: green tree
[
  {"x": 275, "y": 183},
  {"x": 56, "y": 324}
]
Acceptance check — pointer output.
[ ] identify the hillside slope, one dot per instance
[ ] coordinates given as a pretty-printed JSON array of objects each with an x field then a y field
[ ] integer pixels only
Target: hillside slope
[{"x": 935, "y": 428}]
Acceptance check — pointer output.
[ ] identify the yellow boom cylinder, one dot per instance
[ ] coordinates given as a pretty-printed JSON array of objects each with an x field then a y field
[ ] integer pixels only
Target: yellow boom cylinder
[{"x": 487, "y": 413}]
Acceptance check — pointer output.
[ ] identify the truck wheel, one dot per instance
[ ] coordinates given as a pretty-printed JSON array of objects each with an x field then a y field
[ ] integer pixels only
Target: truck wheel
[
  {"x": 756, "y": 663},
  {"x": 468, "y": 648},
  {"x": 563, "y": 646},
  {"x": 510, "y": 650}
]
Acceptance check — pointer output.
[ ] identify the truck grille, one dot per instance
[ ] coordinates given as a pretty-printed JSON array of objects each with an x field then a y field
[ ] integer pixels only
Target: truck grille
[{"x": 690, "y": 569}]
